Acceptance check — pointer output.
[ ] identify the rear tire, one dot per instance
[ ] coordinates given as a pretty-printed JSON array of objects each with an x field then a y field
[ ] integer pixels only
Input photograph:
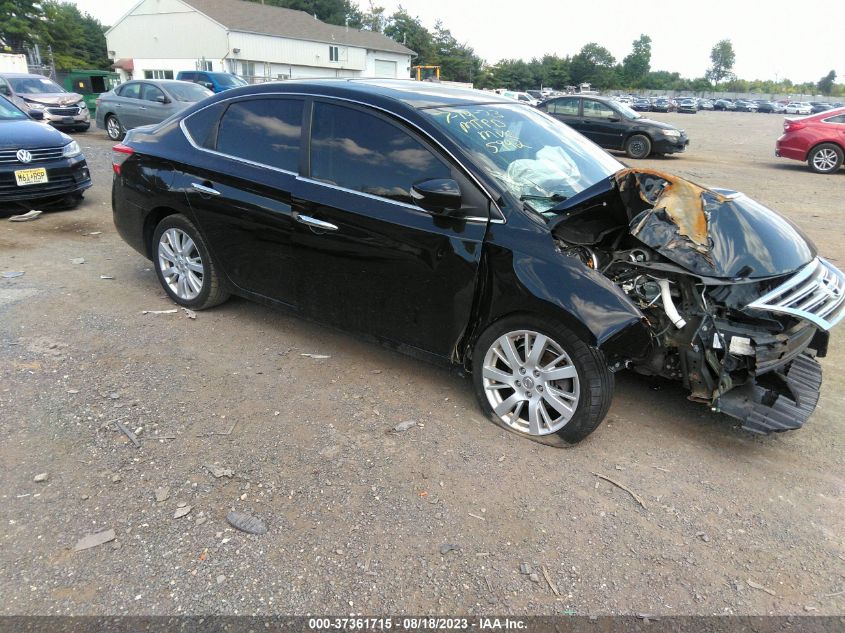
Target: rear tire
[
  {"x": 184, "y": 266},
  {"x": 535, "y": 378},
  {"x": 114, "y": 128},
  {"x": 825, "y": 158},
  {"x": 638, "y": 146}
]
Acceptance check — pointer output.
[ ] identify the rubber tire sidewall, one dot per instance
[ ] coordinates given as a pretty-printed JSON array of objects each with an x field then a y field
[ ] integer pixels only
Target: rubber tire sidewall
[
  {"x": 211, "y": 292},
  {"x": 121, "y": 133},
  {"x": 631, "y": 139},
  {"x": 595, "y": 378},
  {"x": 835, "y": 148}
]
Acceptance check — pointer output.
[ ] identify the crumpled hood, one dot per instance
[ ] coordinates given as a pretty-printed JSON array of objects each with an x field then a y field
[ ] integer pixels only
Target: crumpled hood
[
  {"x": 53, "y": 99},
  {"x": 711, "y": 232}
]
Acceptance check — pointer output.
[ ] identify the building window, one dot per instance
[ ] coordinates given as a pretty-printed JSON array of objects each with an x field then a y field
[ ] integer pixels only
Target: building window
[
  {"x": 334, "y": 54},
  {"x": 247, "y": 69},
  {"x": 158, "y": 74},
  {"x": 205, "y": 65}
]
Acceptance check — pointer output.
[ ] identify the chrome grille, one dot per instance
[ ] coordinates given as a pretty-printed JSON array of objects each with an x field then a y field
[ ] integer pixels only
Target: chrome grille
[
  {"x": 45, "y": 153},
  {"x": 66, "y": 111},
  {"x": 815, "y": 293}
]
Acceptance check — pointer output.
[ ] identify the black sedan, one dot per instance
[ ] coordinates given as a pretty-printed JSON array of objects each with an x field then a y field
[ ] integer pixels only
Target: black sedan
[
  {"x": 641, "y": 105},
  {"x": 613, "y": 125},
  {"x": 724, "y": 105},
  {"x": 470, "y": 230},
  {"x": 38, "y": 164}
]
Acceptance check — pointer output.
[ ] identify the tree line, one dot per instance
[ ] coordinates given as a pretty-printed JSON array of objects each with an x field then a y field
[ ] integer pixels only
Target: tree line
[{"x": 78, "y": 41}]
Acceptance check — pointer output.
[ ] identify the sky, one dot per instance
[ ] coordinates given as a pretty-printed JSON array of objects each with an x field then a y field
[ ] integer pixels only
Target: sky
[{"x": 801, "y": 41}]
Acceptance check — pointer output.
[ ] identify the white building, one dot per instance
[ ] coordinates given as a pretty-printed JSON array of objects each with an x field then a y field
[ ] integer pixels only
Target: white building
[{"x": 158, "y": 38}]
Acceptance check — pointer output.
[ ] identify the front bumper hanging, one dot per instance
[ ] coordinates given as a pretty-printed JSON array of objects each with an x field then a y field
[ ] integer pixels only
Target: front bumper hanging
[{"x": 784, "y": 403}]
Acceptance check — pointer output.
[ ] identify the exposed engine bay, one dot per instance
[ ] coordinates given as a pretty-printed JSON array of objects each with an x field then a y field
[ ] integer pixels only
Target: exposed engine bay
[{"x": 737, "y": 302}]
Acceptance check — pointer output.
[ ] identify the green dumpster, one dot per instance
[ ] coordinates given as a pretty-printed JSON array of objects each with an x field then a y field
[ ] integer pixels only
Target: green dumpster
[{"x": 90, "y": 84}]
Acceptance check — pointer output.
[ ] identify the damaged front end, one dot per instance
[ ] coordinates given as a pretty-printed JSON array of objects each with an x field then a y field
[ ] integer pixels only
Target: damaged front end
[{"x": 737, "y": 302}]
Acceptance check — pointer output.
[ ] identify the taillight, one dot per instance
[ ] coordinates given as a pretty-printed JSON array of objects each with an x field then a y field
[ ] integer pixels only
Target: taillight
[
  {"x": 791, "y": 125},
  {"x": 120, "y": 153}
]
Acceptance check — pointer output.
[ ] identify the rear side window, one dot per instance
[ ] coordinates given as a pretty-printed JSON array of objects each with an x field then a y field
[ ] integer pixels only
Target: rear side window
[
  {"x": 840, "y": 118},
  {"x": 131, "y": 91},
  {"x": 265, "y": 131},
  {"x": 564, "y": 106},
  {"x": 363, "y": 152},
  {"x": 202, "y": 126}
]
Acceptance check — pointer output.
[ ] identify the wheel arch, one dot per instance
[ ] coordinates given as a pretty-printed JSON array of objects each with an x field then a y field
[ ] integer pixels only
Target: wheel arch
[
  {"x": 825, "y": 142},
  {"x": 583, "y": 300},
  {"x": 151, "y": 221}
]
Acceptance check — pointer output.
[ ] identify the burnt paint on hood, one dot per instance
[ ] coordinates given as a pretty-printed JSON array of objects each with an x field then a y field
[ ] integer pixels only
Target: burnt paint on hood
[{"x": 710, "y": 232}]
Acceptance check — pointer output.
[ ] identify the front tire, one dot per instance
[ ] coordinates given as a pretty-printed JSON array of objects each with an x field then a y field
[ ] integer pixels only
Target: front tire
[
  {"x": 638, "y": 146},
  {"x": 825, "y": 158},
  {"x": 536, "y": 378},
  {"x": 184, "y": 266},
  {"x": 114, "y": 128}
]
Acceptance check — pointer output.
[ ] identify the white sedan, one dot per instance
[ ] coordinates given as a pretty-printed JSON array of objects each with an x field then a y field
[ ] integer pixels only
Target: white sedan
[{"x": 799, "y": 107}]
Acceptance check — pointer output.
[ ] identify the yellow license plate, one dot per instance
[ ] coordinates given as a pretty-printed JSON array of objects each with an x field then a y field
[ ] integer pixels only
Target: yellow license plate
[{"x": 31, "y": 176}]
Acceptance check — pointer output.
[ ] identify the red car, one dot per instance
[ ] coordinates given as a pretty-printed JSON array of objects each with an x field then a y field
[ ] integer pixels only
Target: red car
[{"x": 819, "y": 139}]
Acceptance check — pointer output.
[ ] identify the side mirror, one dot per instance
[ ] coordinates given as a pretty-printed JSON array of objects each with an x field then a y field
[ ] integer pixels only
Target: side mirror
[
  {"x": 206, "y": 84},
  {"x": 37, "y": 115},
  {"x": 437, "y": 194},
  {"x": 162, "y": 99},
  {"x": 613, "y": 119}
]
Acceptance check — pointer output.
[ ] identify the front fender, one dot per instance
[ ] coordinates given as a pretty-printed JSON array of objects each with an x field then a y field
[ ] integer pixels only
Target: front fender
[{"x": 565, "y": 289}]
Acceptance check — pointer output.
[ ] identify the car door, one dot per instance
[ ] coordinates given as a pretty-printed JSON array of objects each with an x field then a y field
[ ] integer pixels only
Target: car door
[
  {"x": 127, "y": 105},
  {"x": 567, "y": 110},
  {"x": 239, "y": 188},
  {"x": 602, "y": 124},
  {"x": 154, "y": 106},
  {"x": 376, "y": 263}
]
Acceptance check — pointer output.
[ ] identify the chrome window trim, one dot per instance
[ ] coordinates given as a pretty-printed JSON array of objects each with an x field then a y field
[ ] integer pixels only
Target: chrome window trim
[
  {"x": 371, "y": 196},
  {"x": 494, "y": 205}
]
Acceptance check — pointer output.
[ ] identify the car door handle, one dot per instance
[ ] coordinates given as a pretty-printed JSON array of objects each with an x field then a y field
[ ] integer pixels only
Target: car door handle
[
  {"x": 206, "y": 190},
  {"x": 314, "y": 222}
]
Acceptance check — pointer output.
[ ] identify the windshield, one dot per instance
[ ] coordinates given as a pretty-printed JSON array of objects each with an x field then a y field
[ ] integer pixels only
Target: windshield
[
  {"x": 8, "y": 112},
  {"x": 184, "y": 91},
  {"x": 34, "y": 85},
  {"x": 229, "y": 81},
  {"x": 537, "y": 158},
  {"x": 627, "y": 112}
]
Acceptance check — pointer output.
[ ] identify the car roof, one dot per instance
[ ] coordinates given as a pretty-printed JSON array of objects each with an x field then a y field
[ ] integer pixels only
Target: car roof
[{"x": 415, "y": 94}]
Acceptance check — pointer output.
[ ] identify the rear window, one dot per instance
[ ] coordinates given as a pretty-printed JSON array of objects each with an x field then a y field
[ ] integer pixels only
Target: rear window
[
  {"x": 188, "y": 92},
  {"x": 265, "y": 131}
]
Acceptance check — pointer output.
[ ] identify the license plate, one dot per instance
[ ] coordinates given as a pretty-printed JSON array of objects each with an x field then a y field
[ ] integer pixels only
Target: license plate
[
  {"x": 31, "y": 176},
  {"x": 67, "y": 120}
]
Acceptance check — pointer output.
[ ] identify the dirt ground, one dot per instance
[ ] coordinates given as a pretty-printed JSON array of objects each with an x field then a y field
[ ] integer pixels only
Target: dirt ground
[{"x": 360, "y": 519}]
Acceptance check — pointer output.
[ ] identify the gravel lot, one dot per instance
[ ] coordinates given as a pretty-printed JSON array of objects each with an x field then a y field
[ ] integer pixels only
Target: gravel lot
[{"x": 450, "y": 516}]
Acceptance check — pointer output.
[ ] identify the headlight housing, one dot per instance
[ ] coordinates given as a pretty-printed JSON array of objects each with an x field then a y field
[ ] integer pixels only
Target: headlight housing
[
  {"x": 672, "y": 133},
  {"x": 34, "y": 106},
  {"x": 71, "y": 149}
]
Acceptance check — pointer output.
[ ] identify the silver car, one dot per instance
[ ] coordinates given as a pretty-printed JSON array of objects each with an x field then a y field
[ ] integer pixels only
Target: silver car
[
  {"x": 144, "y": 102},
  {"x": 61, "y": 109}
]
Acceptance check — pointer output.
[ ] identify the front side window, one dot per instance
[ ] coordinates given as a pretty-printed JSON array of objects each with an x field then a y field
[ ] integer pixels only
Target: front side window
[
  {"x": 567, "y": 105},
  {"x": 597, "y": 110},
  {"x": 363, "y": 152},
  {"x": 265, "y": 131},
  {"x": 150, "y": 93},
  {"x": 538, "y": 159}
]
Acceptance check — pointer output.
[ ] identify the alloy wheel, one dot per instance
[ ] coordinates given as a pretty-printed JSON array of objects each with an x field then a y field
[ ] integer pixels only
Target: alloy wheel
[
  {"x": 181, "y": 264},
  {"x": 825, "y": 159},
  {"x": 113, "y": 128},
  {"x": 530, "y": 382}
]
